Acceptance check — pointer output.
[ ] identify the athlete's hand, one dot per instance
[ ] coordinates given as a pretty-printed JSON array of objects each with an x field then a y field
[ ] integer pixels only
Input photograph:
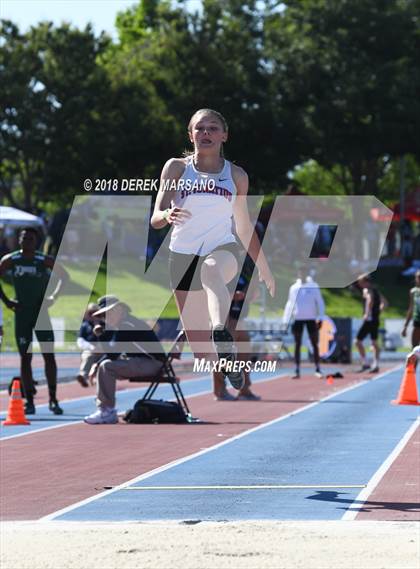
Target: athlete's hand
[
  {"x": 404, "y": 332},
  {"x": 92, "y": 374},
  {"x": 265, "y": 275},
  {"x": 99, "y": 329},
  {"x": 177, "y": 215}
]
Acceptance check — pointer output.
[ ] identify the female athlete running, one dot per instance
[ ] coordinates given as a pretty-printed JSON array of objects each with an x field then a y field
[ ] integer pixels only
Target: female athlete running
[{"x": 200, "y": 195}]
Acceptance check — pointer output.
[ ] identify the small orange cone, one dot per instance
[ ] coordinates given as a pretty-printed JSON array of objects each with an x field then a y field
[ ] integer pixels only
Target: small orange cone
[
  {"x": 330, "y": 380},
  {"x": 15, "y": 411},
  {"x": 408, "y": 390}
]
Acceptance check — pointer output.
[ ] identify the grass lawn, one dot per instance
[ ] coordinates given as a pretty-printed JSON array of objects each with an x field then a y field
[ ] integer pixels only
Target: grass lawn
[{"x": 146, "y": 295}]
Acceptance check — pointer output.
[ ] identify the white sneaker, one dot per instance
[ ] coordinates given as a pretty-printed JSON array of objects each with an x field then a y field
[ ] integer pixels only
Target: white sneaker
[
  {"x": 319, "y": 374},
  {"x": 106, "y": 416}
]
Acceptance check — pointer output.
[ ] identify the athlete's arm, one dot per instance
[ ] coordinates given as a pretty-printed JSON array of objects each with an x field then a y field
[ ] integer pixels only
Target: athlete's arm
[
  {"x": 384, "y": 303},
  {"x": 5, "y": 265},
  {"x": 163, "y": 212},
  {"x": 62, "y": 274},
  {"x": 246, "y": 231},
  {"x": 409, "y": 314},
  {"x": 369, "y": 301}
]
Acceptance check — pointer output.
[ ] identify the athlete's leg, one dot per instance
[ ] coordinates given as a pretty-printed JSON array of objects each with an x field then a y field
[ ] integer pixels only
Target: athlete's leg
[
  {"x": 192, "y": 308},
  {"x": 374, "y": 333},
  {"x": 218, "y": 269},
  {"x": 26, "y": 376},
  {"x": 219, "y": 387},
  {"x": 50, "y": 373},
  {"x": 361, "y": 349},
  {"x": 46, "y": 341},
  {"x": 364, "y": 330},
  {"x": 376, "y": 351},
  {"x": 415, "y": 336},
  {"x": 314, "y": 338},
  {"x": 297, "y": 330},
  {"x": 23, "y": 335},
  {"x": 241, "y": 338},
  {"x": 415, "y": 340}
]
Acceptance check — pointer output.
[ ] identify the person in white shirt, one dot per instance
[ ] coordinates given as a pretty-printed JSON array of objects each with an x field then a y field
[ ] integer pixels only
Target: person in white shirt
[
  {"x": 200, "y": 196},
  {"x": 305, "y": 306}
]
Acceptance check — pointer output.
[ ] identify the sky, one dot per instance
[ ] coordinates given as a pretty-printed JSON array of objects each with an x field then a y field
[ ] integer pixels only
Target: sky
[{"x": 101, "y": 13}]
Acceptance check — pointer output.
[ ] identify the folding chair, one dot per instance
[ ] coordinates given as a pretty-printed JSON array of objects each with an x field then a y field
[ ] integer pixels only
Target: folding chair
[{"x": 167, "y": 375}]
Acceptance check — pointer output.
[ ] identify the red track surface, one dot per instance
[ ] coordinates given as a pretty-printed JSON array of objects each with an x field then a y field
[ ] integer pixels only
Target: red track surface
[
  {"x": 49, "y": 470},
  {"x": 397, "y": 496}
]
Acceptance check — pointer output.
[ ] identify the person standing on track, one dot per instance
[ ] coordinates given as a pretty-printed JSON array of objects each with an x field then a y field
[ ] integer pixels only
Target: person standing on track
[
  {"x": 413, "y": 312},
  {"x": 30, "y": 271},
  {"x": 374, "y": 303},
  {"x": 199, "y": 195},
  {"x": 306, "y": 307}
]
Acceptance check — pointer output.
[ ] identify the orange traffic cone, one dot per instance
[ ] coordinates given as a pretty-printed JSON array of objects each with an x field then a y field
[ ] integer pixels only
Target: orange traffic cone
[
  {"x": 408, "y": 390},
  {"x": 15, "y": 411},
  {"x": 330, "y": 380}
]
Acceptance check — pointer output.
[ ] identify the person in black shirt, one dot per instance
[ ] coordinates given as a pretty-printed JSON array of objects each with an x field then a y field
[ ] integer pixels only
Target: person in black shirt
[
  {"x": 374, "y": 303},
  {"x": 134, "y": 351}
]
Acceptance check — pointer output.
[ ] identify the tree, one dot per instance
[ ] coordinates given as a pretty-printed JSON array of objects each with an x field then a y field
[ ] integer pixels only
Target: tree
[
  {"x": 349, "y": 72},
  {"x": 211, "y": 58},
  {"x": 53, "y": 102}
]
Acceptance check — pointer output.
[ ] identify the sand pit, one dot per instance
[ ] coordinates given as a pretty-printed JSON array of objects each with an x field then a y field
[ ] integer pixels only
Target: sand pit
[{"x": 202, "y": 545}]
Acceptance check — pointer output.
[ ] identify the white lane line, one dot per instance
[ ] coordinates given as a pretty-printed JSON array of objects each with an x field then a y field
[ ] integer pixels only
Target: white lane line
[
  {"x": 253, "y": 487},
  {"x": 360, "y": 500},
  {"x": 189, "y": 457},
  {"x": 131, "y": 391}
]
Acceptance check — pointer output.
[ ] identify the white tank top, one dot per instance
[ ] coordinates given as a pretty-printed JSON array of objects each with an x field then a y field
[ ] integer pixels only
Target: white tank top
[{"x": 210, "y": 198}]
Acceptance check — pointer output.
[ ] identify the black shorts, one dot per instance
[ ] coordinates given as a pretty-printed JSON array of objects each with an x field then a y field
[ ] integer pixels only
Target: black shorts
[
  {"x": 369, "y": 327},
  {"x": 185, "y": 270},
  {"x": 25, "y": 322},
  {"x": 297, "y": 327}
]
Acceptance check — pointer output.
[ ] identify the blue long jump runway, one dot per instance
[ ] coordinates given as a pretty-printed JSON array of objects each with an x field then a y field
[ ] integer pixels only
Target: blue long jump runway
[{"x": 340, "y": 441}]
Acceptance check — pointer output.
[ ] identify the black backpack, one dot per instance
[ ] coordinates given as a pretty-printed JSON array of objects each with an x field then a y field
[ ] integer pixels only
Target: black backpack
[{"x": 155, "y": 411}]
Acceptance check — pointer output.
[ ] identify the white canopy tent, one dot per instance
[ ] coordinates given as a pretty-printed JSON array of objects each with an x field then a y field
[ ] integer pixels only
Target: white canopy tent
[{"x": 10, "y": 216}]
